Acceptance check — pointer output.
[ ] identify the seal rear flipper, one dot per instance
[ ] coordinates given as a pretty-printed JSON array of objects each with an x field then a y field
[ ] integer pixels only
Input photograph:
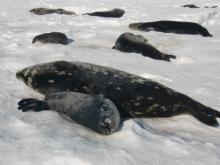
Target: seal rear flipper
[
  {"x": 170, "y": 56},
  {"x": 167, "y": 57},
  {"x": 206, "y": 115}
]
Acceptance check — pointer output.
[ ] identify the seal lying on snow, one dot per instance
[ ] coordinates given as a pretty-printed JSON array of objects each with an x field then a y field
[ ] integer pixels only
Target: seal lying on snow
[
  {"x": 115, "y": 13},
  {"x": 43, "y": 11},
  {"x": 94, "y": 112},
  {"x": 53, "y": 37},
  {"x": 171, "y": 27},
  {"x": 134, "y": 96},
  {"x": 190, "y": 6},
  {"x": 128, "y": 42}
]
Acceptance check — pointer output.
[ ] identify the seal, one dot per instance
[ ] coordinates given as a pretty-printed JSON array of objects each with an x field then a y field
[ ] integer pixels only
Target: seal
[
  {"x": 53, "y": 37},
  {"x": 115, "y": 13},
  {"x": 92, "y": 111},
  {"x": 129, "y": 42},
  {"x": 171, "y": 27},
  {"x": 43, "y": 11},
  {"x": 190, "y": 6},
  {"x": 134, "y": 96}
]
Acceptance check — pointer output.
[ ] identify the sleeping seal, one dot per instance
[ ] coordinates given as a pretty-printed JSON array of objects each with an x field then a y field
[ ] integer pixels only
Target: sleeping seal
[
  {"x": 190, "y": 6},
  {"x": 53, "y": 37},
  {"x": 128, "y": 42},
  {"x": 134, "y": 96},
  {"x": 92, "y": 111},
  {"x": 171, "y": 27},
  {"x": 43, "y": 11},
  {"x": 115, "y": 13}
]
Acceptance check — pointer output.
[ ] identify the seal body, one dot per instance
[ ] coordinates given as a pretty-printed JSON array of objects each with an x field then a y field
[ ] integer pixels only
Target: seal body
[
  {"x": 171, "y": 27},
  {"x": 43, "y": 11},
  {"x": 134, "y": 96},
  {"x": 128, "y": 42},
  {"x": 92, "y": 111},
  {"x": 115, "y": 13},
  {"x": 190, "y": 6},
  {"x": 53, "y": 37}
]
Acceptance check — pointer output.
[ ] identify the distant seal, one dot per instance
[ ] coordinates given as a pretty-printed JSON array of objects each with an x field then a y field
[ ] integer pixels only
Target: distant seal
[
  {"x": 171, "y": 27},
  {"x": 115, "y": 13},
  {"x": 134, "y": 96},
  {"x": 128, "y": 42},
  {"x": 43, "y": 11},
  {"x": 53, "y": 37},
  {"x": 211, "y": 6},
  {"x": 190, "y": 6},
  {"x": 92, "y": 111}
]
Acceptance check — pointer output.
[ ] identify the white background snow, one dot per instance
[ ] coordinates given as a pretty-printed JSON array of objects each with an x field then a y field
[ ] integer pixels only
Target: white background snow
[{"x": 46, "y": 138}]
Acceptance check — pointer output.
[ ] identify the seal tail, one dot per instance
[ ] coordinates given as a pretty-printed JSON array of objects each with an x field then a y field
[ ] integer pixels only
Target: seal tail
[{"x": 205, "y": 114}]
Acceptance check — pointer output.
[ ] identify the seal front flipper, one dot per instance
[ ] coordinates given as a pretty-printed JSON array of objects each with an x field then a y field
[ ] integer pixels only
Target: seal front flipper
[{"x": 32, "y": 104}]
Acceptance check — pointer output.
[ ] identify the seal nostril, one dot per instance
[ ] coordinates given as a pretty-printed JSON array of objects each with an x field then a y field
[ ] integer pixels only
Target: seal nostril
[{"x": 108, "y": 123}]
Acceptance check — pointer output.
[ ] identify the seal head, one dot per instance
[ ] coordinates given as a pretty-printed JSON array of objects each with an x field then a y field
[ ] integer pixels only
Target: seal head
[{"x": 101, "y": 115}]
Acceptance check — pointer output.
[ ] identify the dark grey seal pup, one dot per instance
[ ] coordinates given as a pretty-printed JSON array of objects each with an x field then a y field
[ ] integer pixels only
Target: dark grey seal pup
[
  {"x": 115, "y": 13},
  {"x": 134, "y": 96},
  {"x": 171, "y": 27},
  {"x": 43, "y": 11},
  {"x": 128, "y": 42},
  {"x": 190, "y": 6},
  {"x": 53, "y": 37},
  {"x": 92, "y": 111}
]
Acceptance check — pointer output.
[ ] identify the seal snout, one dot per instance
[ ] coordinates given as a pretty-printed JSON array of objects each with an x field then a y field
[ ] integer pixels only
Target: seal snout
[
  {"x": 23, "y": 75},
  {"x": 108, "y": 126},
  {"x": 19, "y": 75},
  {"x": 134, "y": 26}
]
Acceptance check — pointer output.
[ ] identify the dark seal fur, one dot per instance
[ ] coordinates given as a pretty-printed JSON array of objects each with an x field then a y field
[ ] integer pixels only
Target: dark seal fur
[
  {"x": 43, "y": 11},
  {"x": 134, "y": 96},
  {"x": 128, "y": 42},
  {"x": 190, "y": 6},
  {"x": 53, "y": 37},
  {"x": 172, "y": 27},
  {"x": 92, "y": 111},
  {"x": 114, "y": 13}
]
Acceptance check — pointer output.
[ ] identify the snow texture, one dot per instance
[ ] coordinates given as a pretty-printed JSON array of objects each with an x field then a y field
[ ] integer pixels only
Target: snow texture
[{"x": 46, "y": 138}]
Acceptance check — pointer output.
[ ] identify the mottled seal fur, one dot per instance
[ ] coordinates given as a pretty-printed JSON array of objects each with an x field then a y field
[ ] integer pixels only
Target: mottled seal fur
[
  {"x": 92, "y": 111},
  {"x": 115, "y": 13},
  {"x": 128, "y": 42},
  {"x": 171, "y": 27},
  {"x": 134, "y": 96},
  {"x": 43, "y": 11},
  {"x": 53, "y": 37}
]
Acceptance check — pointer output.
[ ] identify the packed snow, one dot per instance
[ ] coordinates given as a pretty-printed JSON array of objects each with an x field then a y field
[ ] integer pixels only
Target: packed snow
[{"x": 47, "y": 138}]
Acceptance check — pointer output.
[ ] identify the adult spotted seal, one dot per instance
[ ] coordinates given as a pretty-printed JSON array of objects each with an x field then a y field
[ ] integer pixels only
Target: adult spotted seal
[
  {"x": 115, "y": 13},
  {"x": 92, "y": 111},
  {"x": 171, "y": 27},
  {"x": 43, "y": 11},
  {"x": 128, "y": 42},
  {"x": 53, "y": 37},
  {"x": 134, "y": 96}
]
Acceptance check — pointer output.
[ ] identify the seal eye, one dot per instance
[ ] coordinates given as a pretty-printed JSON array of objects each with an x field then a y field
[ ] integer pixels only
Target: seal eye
[{"x": 103, "y": 108}]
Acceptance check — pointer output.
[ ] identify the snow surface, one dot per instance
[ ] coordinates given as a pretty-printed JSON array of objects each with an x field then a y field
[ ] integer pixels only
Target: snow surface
[{"x": 46, "y": 138}]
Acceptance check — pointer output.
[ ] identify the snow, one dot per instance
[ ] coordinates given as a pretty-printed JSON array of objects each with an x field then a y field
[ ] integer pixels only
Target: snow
[{"x": 47, "y": 138}]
